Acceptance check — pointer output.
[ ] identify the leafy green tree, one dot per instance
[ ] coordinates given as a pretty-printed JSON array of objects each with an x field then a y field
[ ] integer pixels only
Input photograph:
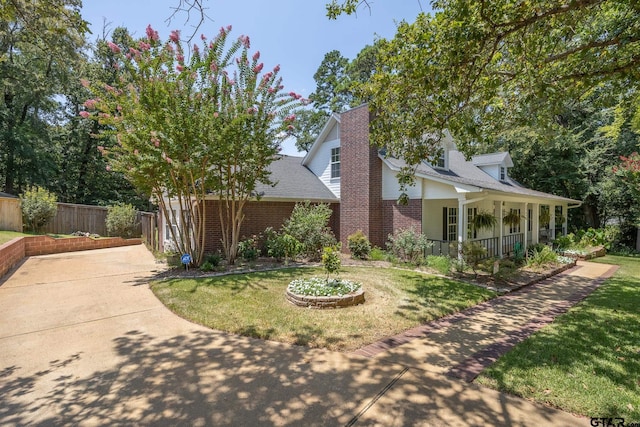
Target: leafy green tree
[
  {"x": 474, "y": 65},
  {"x": 38, "y": 40},
  {"x": 189, "y": 128}
]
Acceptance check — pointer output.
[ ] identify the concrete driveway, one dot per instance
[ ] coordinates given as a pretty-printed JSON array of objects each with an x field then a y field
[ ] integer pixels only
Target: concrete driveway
[{"x": 83, "y": 341}]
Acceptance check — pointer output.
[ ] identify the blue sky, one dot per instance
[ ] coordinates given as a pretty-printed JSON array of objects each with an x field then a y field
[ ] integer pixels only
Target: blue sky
[{"x": 293, "y": 33}]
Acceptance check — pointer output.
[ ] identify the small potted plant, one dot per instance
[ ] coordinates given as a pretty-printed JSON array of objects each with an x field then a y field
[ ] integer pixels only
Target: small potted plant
[{"x": 512, "y": 218}]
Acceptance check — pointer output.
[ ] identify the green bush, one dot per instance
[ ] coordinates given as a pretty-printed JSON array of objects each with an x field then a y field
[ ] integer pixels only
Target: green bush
[
  {"x": 378, "y": 254},
  {"x": 248, "y": 249},
  {"x": 408, "y": 245},
  {"x": 309, "y": 224},
  {"x": 331, "y": 259},
  {"x": 121, "y": 220},
  {"x": 212, "y": 259},
  {"x": 473, "y": 253},
  {"x": 280, "y": 245},
  {"x": 543, "y": 256},
  {"x": 206, "y": 266},
  {"x": 564, "y": 242},
  {"x": 359, "y": 245},
  {"x": 39, "y": 206},
  {"x": 440, "y": 263}
]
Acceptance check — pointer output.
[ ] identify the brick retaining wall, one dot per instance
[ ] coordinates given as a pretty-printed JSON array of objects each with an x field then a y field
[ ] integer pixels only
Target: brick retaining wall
[{"x": 12, "y": 252}]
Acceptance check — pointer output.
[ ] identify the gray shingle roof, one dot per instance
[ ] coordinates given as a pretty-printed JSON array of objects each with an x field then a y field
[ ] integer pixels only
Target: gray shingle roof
[
  {"x": 492, "y": 159},
  {"x": 294, "y": 181},
  {"x": 463, "y": 172}
]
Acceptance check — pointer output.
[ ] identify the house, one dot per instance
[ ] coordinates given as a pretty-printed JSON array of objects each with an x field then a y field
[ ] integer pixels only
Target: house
[{"x": 360, "y": 184}]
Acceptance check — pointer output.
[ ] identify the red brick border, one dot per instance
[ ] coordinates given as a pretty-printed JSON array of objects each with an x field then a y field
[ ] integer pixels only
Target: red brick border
[
  {"x": 12, "y": 252},
  {"x": 326, "y": 302}
]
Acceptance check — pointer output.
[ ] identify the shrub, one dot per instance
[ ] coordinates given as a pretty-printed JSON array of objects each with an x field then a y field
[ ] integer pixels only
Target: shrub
[
  {"x": 121, "y": 220},
  {"x": 564, "y": 242},
  {"x": 212, "y": 259},
  {"x": 473, "y": 253},
  {"x": 248, "y": 249},
  {"x": 39, "y": 206},
  {"x": 408, "y": 245},
  {"x": 331, "y": 260},
  {"x": 378, "y": 254},
  {"x": 359, "y": 245},
  {"x": 280, "y": 245},
  {"x": 440, "y": 263},
  {"x": 538, "y": 258},
  {"x": 309, "y": 224},
  {"x": 206, "y": 266}
]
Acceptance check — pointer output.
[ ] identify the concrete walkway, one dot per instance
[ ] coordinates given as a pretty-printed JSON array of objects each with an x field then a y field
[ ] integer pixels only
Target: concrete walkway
[{"x": 83, "y": 341}]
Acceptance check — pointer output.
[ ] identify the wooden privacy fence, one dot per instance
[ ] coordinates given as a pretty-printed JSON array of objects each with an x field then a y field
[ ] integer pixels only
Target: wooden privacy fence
[
  {"x": 10, "y": 214},
  {"x": 72, "y": 217},
  {"x": 149, "y": 229}
]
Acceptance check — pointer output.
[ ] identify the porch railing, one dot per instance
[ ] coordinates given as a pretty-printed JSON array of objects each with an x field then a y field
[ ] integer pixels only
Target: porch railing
[
  {"x": 509, "y": 243},
  {"x": 491, "y": 244}
]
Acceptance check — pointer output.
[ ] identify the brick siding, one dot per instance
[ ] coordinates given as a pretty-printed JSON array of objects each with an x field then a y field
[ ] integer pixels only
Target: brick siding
[
  {"x": 360, "y": 180},
  {"x": 401, "y": 216},
  {"x": 258, "y": 215}
]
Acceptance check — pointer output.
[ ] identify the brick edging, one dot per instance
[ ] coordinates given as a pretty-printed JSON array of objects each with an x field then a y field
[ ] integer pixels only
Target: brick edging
[
  {"x": 470, "y": 368},
  {"x": 14, "y": 251}
]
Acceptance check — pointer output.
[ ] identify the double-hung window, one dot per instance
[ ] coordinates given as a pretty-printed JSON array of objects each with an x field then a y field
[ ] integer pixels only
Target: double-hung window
[{"x": 335, "y": 162}]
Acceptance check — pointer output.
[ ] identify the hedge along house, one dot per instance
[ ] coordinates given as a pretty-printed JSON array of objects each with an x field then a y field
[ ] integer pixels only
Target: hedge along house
[{"x": 343, "y": 169}]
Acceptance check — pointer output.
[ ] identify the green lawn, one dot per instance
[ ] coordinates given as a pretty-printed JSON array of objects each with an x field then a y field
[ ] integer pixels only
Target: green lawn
[
  {"x": 6, "y": 236},
  {"x": 255, "y": 305},
  {"x": 588, "y": 361}
]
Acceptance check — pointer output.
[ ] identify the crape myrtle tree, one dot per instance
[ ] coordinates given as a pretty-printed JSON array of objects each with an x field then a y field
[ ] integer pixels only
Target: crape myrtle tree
[{"x": 191, "y": 127}]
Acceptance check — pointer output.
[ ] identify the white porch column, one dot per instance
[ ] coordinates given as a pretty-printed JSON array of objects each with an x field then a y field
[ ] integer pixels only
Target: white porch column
[
  {"x": 565, "y": 225},
  {"x": 552, "y": 222},
  {"x": 535, "y": 223},
  {"x": 462, "y": 222},
  {"x": 525, "y": 212},
  {"x": 498, "y": 205}
]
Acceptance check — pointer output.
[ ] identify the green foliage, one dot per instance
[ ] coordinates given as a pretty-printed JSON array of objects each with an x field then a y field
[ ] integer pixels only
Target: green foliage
[
  {"x": 248, "y": 249},
  {"x": 359, "y": 245},
  {"x": 213, "y": 259},
  {"x": 280, "y": 245},
  {"x": 377, "y": 254},
  {"x": 309, "y": 224},
  {"x": 473, "y": 253},
  {"x": 408, "y": 245},
  {"x": 207, "y": 266},
  {"x": 440, "y": 263},
  {"x": 542, "y": 256},
  {"x": 606, "y": 237},
  {"x": 39, "y": 206},
  {"x": 564, "y": 242},
  {"x": 331, "y": 260},
  {"x": 207, "y": 123},
  {"x": 121, "y": 220},
  {"x": 484, "y": 220}
]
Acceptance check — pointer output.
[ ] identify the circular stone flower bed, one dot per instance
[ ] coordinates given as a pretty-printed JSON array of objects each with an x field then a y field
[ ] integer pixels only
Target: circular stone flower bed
[{"x": 317, "y": 292}]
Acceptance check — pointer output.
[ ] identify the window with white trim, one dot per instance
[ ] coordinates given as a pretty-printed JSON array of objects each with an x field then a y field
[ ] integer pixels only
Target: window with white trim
[
  {"x": 335, "y": 162},
  {"x": 503, "y": 173},
  {"x": 451, "y": 224}
]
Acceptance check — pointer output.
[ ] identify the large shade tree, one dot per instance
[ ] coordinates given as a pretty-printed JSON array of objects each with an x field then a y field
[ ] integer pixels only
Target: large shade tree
[
  {"x": 188, "y": 128},
  {"x": 475, "y": 67}
]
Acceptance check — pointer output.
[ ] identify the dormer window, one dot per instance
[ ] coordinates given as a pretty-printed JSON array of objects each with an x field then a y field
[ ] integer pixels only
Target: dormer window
[
  {"x": 503, "y": 173},
  {"x": 440, "y": 161},
  {"x": 335, "y": 162}
]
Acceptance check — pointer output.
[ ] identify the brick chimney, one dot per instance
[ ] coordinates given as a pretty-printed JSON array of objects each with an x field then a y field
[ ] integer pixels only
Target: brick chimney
[{"x": 360, "y": 179}]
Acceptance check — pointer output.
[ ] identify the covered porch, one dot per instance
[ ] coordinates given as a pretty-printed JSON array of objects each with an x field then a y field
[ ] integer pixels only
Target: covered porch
[{"x": 450, "y": 222}]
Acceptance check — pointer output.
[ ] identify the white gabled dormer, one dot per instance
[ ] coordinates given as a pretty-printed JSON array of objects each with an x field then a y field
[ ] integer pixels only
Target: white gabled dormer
[
  {"x": 495, "y": 164},
  {"x": 324, "y": 156},
  {"x": 447, "y": 144}
]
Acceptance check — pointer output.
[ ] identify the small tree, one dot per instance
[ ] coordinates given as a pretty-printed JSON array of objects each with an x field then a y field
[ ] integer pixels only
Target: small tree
[
  {"x": 39, "y": 206},
  {"x": 122, "y": 220},
  {"x": 331, "y": 260},
  {"x": 309, "y": 224}
]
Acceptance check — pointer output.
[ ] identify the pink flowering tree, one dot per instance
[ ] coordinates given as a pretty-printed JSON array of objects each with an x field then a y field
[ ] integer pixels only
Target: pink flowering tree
[
  {"x": 207, "y": 126},
  {"x": 629, "y": 170}
]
